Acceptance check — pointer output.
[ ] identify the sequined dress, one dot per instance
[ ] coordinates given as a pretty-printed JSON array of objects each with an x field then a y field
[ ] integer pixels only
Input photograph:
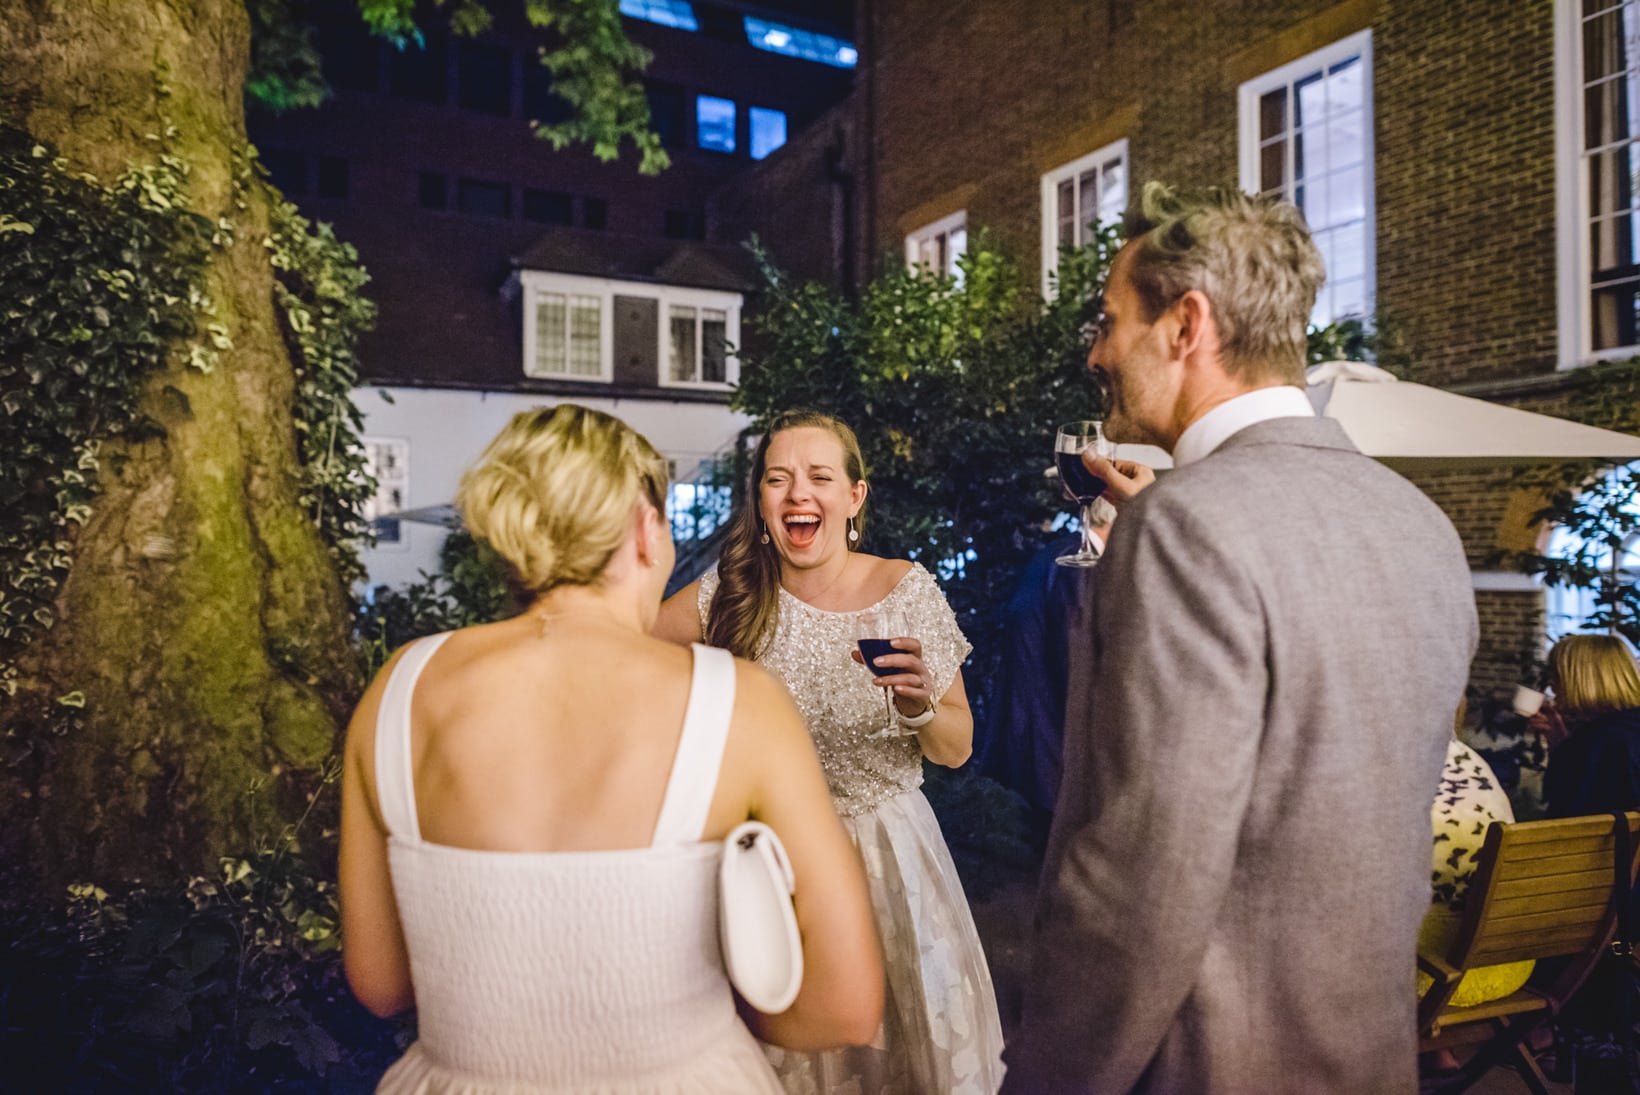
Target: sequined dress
[{"x": 941, "y": 1034}]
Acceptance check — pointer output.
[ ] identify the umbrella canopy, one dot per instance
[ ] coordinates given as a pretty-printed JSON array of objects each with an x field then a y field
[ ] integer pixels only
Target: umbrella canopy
[{"x": 1416, "y": 427}]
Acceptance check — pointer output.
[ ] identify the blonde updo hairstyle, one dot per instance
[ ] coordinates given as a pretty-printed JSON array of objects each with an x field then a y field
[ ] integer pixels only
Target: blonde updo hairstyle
[{"x": 554, "y": 494}]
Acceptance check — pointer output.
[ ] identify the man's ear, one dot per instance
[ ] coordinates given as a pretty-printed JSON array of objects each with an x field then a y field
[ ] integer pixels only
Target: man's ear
[{"x": 1193, "y": 323}]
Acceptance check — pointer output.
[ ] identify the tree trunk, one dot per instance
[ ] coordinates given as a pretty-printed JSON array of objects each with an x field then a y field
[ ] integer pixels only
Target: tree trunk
[{"x": 202, "y": 619}]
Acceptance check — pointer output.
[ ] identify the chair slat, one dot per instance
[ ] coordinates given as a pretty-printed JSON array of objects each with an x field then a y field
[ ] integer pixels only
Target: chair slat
[
  {"x": 1575, "y": 863},
  {"x": 1551, "y": 883}
]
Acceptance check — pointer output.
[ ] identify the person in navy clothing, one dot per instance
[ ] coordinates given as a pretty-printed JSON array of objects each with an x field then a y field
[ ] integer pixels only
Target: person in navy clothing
[{"x": 1596, "y": 769}]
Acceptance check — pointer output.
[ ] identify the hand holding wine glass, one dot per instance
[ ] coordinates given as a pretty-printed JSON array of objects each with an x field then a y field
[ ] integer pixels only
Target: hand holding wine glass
[
  {"x": 875, "y": 631},
  {"x": 1069, "y": 444}
]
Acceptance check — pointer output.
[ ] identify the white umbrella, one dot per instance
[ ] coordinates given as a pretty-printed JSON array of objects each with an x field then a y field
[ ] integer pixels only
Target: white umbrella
[{"x": 1416, "y": 427}]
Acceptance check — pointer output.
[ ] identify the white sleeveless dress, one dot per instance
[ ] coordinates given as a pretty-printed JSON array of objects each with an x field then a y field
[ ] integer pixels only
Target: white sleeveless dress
[
  {"x": 587, "y": 972},
  {"x": 941, "y": 1034}
]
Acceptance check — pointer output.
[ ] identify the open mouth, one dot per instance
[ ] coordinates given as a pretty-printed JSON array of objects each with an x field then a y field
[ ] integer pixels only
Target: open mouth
[{"x": 802, "y": 528}]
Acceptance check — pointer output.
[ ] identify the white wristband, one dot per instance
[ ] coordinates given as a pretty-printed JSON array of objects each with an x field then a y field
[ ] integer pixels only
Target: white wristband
[{"x": 917, "y": 721}]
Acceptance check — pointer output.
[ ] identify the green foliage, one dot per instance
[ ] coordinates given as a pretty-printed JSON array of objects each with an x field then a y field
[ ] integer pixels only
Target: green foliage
[
  {"x": 231, "y": 982},
  {"x": 1598, "y": 505},
  {"x": 319, "y": 287},
  {"x": 1383, "y": 343},
  {"x": 99, "y": 287},
  {"x": 955, "y": 388},
  {"x": 469, "y": 588},
  {"x": 595, "y": 66}
]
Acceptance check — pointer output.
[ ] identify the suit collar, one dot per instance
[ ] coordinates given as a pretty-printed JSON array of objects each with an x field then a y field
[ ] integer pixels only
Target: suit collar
[{"x": 1315, "y": 433}]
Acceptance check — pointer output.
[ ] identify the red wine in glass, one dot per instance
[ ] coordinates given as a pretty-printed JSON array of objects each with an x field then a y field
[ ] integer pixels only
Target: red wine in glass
[
  {"x": 871, "y": 649},
  {"x": 1083, "y": 485}
]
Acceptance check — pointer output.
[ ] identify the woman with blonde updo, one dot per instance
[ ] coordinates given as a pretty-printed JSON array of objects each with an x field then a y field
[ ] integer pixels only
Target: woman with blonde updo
[{"x": 533, "y": 810}]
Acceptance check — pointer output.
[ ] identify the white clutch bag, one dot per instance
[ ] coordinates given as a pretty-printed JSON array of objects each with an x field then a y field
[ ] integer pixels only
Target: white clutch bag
[{"x": 756, "y": 922}]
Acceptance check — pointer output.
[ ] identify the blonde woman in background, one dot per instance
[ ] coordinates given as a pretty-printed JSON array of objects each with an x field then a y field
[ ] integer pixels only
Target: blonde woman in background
[
  {"x": 533, "y": 810},
  {"x": 1595, "y": 766}
]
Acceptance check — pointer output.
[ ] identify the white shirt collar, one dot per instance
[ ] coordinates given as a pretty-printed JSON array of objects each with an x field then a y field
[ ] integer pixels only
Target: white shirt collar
[{"x": 1215, "y": 427}]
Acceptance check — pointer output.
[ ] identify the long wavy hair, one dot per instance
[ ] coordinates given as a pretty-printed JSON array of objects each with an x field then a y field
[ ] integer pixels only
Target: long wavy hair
[{"x": 746, "y": 607}]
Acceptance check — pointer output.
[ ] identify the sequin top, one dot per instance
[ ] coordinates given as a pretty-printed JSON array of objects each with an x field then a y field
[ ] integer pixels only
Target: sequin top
[{"x": 842, "y": 708}]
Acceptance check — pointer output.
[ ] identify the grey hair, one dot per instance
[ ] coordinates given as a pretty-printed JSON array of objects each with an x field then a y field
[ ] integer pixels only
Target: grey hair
[{"x": 1252, "y": 257}]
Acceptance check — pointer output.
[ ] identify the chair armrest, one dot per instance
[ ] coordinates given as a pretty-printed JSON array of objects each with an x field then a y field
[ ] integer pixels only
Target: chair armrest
[{"x": 1437, "y": 968}]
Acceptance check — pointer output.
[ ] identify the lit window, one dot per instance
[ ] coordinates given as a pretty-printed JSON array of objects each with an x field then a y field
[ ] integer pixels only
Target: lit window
[
  {"x": 568, "y": 336},
  {"x": 1079, "y": 197},
  {"x": 387, "y": 461},
  {"x": 1306, "y": 135},
  {"x": 679, "y": 14},
  {"x": 699, "y": 345},
  {"x": 768, "y": 130},
  {"x": 715, "y": 123},
  {"x": 1598, "y": 71},
  {"x": 807, "y": 44},
  {"x": 936, "y": 247}
]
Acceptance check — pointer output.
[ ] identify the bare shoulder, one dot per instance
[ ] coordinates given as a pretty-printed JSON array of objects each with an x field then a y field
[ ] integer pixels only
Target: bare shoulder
[
  {"x": 882, "y": 575},
  {"x": 762, "y": 701},
  {"x": 678, "y": 620}
]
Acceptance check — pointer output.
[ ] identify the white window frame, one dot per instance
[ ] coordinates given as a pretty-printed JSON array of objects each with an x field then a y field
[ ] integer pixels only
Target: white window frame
[
  {"x": 402, "y": 543},
  {"x": 943, "y": 226},
  {"x": 698, "y": 299},
  {"x": 535, "y": 282},
  {"x": 1249, "y": 93},
  {"x": 1574, "y": 318},
  {"x": 1050, "y": 201}
]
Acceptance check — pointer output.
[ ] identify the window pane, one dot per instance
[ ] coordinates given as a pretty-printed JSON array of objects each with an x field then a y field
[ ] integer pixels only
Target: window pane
[
  {"x": 714, "y": 328},
  {"x": 594, "y": 213},
  {"x": 585, "y": 314},
  {"x": 768, "y": 130},
  {"x": 421, "y": 72},
  {"x": 1309, "y": 100},
  {"x": 1349, "y": 298},
  {"x": 1347, "y": 193},
  {"x": 683, "y": 342},
  {"x": 714, "y": 123},
  {"x": 1066, "y": 218},
  {"x": 678, "y": 14},
  {"x": 546, "y": 206},
  {"x": 1603, "y": 48},
  {"x": 1272, "y": 166},
  {"x": 667, "y": 113},
  {"x": 1088, "y": 205},
  {"x": 541, "y": 103},
  {"x": 1272, "y": 114},
  {"x": 1349, "y": 252},
  {"x": 807, "y": 44},
  {"x": 486, "y": 79},
  {"x": 484, "y": 199},
  {"x": 549, "y": 334},
  {"x": 1112, "y": 191},
  {"x": 957, "y": 247},
  {"x": 1344, "y": 91}
]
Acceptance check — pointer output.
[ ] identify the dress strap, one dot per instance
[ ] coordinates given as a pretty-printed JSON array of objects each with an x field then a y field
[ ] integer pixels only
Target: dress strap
[
  {"x": 395, "y": 777},
  {"x": 693, "y": 781}
]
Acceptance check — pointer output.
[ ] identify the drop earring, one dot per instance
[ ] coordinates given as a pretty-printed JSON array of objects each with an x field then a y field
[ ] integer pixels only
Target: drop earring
[
  {"x": 853, "y": 533},
  {"x": 765, "y": 537}
]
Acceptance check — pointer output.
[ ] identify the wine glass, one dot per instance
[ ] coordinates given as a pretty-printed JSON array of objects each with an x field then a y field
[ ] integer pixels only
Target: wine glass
[
  {"x": 1069, "y": 443},
  {"x": 874, "y": 630}
]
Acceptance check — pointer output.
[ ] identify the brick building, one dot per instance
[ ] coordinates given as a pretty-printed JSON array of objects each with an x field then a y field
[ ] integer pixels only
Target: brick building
[
  {"x": 1465, "y": 165},
  {"x": 509, "y": 274}
]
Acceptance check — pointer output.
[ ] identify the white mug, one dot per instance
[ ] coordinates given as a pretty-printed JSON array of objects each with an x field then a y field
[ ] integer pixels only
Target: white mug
[{"x": 1527, "y": 701}]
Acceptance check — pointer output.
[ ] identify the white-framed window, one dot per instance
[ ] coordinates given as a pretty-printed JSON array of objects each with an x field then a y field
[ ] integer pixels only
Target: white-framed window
[
  {"x": 388, "y": 460},
  {"x": 566, "y": 330},
  {"x": 1077, "y": 198},
  {"x": 937, "y": 246},
  {"x": 1597, "y": 157},
  {"x": 1306, "y": 134},
  {"x": 569, "y": 330}
]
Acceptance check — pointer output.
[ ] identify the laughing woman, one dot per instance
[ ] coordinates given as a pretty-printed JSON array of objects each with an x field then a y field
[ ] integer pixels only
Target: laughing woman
[{"x": 788, "y": 592}]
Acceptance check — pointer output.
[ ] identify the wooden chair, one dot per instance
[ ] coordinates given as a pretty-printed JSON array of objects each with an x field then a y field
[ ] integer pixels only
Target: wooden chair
[{"x": 1541, "y": 890}]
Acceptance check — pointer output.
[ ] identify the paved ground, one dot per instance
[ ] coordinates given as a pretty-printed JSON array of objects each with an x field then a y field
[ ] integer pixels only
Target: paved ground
[{"x": 1004, "y": 920}]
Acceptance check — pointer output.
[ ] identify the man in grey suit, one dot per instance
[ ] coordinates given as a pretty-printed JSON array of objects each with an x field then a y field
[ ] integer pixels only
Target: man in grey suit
[{"x": 1258, "y": 719}]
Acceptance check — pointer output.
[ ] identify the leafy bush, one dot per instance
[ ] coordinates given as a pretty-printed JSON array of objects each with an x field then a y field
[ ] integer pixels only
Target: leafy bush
[{"x": 228, "y": 983}]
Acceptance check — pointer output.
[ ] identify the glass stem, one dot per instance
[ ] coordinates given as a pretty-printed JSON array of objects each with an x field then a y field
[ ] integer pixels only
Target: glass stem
[{"x": 1088, "y": 547}]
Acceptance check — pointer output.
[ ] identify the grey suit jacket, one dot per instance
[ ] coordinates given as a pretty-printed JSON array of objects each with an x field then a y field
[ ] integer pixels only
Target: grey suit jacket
[{"x": 1255, "y": 731}]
